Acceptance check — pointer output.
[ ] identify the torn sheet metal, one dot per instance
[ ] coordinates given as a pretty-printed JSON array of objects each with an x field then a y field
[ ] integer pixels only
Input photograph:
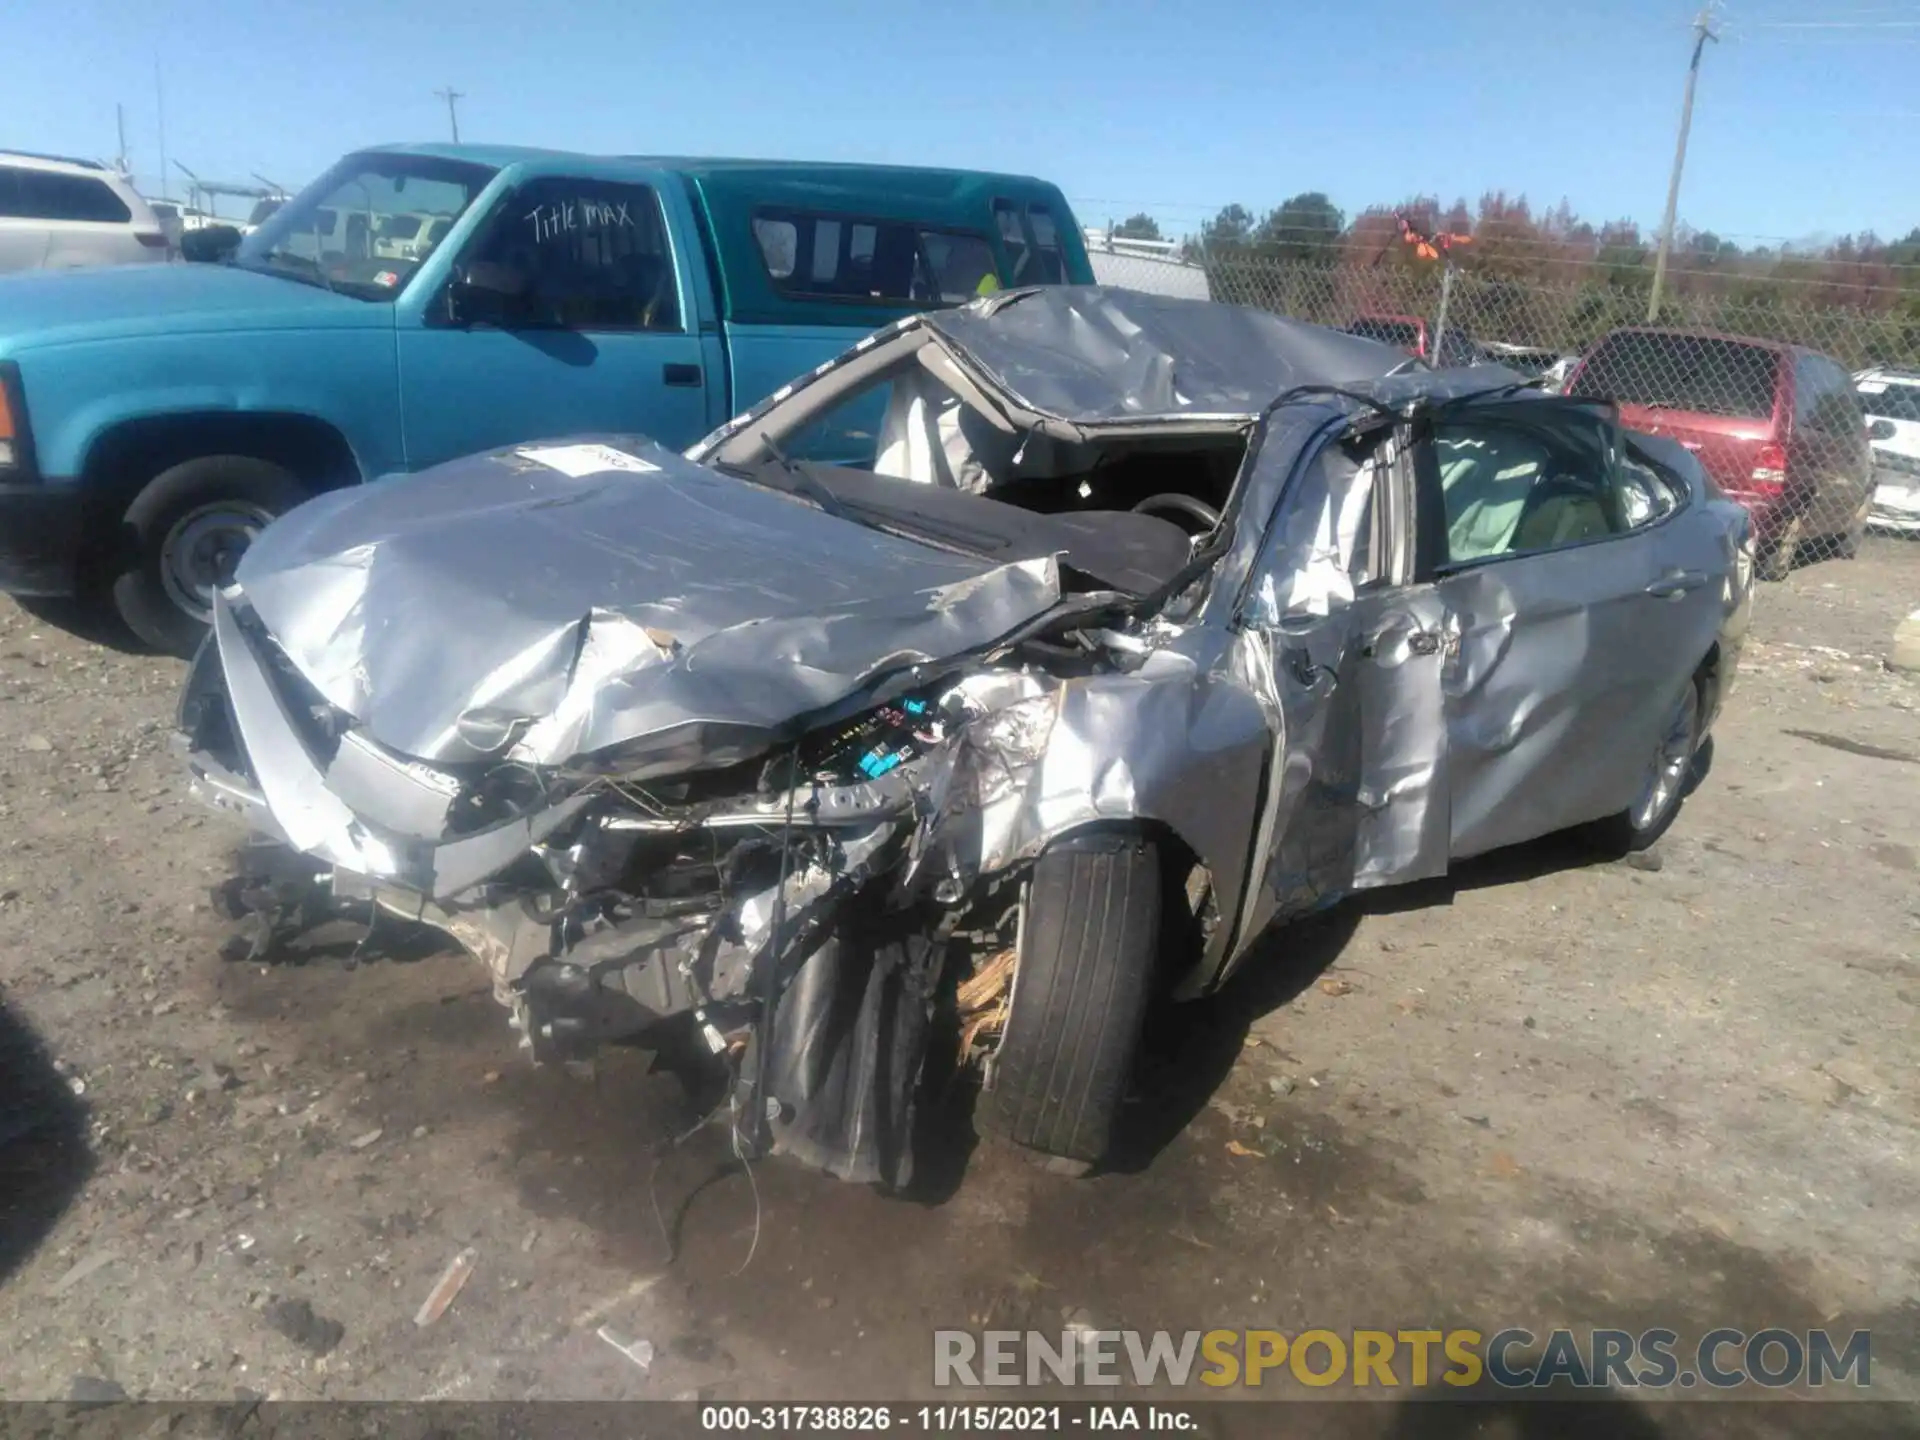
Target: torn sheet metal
[
  {"x": 1180, "y": 740},
  {"x": 670, "y": 611},
  {"x": 1092, "y": 355},
  {"x": 1087, "y": 357}
]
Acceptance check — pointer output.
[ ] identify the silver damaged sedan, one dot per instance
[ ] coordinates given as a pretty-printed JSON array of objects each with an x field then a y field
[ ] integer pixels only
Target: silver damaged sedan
[{"x": 998, "y": 680}]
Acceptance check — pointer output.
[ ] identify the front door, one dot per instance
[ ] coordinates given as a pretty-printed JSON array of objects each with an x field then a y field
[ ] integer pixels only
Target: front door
[
  {"x": 1355, "y": 653},
  {"x": 586, "y": 321}
]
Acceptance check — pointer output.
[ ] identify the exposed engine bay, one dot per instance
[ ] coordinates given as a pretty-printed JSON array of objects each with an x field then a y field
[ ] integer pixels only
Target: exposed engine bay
[{"x": 811, "y": 844}]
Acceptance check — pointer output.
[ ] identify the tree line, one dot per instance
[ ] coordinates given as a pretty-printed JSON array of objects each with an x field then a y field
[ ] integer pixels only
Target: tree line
[{"x": 1506, "y": 240}]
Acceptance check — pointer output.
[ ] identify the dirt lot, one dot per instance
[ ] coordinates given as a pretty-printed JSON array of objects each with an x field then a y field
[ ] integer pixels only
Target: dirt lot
[{"x": 1549, "y": 1091}]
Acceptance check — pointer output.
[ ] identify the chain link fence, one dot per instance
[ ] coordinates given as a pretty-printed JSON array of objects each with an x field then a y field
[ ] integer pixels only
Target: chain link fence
[{"x": 1808, "y": 414}]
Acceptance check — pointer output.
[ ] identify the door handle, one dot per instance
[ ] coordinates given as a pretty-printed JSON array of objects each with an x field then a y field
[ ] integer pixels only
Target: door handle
[
  {"x": 1301, "y": 669},
  {"x": 1419, "y": 642},
  {"x": 1676, "y": 583},
  {"x": 686, "y": 375}
]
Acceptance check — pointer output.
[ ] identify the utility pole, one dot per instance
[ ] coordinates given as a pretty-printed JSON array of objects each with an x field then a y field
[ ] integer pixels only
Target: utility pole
[
  {"x": 1701, "y": 35},
  {"x": 452, "y": 97}
]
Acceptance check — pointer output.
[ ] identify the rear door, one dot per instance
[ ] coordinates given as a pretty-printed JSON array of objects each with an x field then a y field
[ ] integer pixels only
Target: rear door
[
  {"x": 1581, "y": 600},
  {"x": 86, "y": 222},
  {"x": 606, "y": 334}
]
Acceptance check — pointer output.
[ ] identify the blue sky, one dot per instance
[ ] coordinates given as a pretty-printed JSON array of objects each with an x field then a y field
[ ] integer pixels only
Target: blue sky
[{"x": 1804, "y": 125}]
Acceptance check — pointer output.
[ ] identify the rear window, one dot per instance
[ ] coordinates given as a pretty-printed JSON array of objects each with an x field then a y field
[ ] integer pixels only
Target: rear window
[
  {"x": 1890, "y": 400},
  {"x": 49, "y": 195},
  {"x": 1695, "y": 373},
  {"x": 1387, "y": 332},
  {"x": 811, "y": 255},
  {"x": 1032, "y": 243}
]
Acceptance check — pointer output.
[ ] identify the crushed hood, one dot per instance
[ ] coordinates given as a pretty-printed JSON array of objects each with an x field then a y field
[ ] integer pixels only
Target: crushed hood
[{"x": 543, "y": 603}]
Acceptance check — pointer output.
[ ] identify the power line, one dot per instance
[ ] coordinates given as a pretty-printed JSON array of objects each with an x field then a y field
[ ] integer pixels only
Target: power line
[{"x": 1834, "y": 24}]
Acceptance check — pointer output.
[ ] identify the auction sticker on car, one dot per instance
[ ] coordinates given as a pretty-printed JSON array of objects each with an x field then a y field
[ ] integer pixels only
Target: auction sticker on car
[{"x": 579, "y": 460}]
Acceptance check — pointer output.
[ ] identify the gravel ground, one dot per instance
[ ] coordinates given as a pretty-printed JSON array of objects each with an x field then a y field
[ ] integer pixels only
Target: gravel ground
[{"x": 1547, "y": 1091}]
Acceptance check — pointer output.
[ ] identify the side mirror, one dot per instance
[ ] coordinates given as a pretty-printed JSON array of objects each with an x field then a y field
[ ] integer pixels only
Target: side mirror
[
  {"x": 1880, "y": 430},
  {"x": 487, "y": 293},
  {"x": 210, "y": 244}
]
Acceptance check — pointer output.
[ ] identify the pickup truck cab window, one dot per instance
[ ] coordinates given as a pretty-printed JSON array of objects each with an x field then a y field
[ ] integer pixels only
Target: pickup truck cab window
[
  {"x": 580, "y": 253},
  {"x": 1032, "y": 242},
  {"x": 368, "y": 225},
  {"x": 819, "y": 255}
]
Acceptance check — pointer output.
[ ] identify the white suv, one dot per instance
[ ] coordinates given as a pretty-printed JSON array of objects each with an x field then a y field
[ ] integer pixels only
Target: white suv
[
  {"x": 55, "y": 214},
  {"x": 1891, "y": 400}
]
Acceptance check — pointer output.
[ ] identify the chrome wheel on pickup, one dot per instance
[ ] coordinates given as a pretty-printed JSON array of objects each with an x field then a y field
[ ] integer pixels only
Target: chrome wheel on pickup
[{"x": 201, "y": 550}]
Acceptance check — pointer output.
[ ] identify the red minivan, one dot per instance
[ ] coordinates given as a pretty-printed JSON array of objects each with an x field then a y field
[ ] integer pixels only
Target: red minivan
[{"x": 1778, "y": 427}]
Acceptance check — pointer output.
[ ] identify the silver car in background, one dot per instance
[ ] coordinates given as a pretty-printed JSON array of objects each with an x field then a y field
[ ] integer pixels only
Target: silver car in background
[
  {"x": 1150, "y": 624},
  {"x": 57, "y": 214}
]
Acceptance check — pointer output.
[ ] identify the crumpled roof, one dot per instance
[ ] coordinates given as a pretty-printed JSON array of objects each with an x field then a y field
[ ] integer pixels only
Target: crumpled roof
[{"x": 1095, "y": 355}]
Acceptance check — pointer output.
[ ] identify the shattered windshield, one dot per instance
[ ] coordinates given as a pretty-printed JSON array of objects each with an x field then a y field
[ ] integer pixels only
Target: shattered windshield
[{"x": 365, "y": 226}]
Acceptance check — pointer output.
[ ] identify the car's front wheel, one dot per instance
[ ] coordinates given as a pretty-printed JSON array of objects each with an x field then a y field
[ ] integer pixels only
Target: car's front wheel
[
  {"x": 186, "y": 530},
  {"x": 1665, "y": 782},
  {"x": 1089, "y": 953}
]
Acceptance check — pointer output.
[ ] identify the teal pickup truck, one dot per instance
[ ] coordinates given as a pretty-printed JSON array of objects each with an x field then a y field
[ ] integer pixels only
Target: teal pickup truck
[{"x": 425, "y": 301}]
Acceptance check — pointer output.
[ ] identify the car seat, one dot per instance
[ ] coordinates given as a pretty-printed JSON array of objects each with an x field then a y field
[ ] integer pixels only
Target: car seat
[{"x": 1565, "y": 510}]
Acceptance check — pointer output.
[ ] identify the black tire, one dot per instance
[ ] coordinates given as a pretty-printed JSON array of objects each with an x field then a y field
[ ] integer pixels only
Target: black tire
[
  {"x": 153, "y": 608},
  {"x": 1089, "y": 953},
  {"x": 1848, "y": 545},
  {"x": 1775, "y": 561},
  {"x": 1627, "y": 832}
]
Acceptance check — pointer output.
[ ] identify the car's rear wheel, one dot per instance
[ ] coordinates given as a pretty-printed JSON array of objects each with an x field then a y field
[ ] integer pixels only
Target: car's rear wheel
[
  {"x": 1089, "y": 949},
  {"x": 1847, "y": 547},
  {"x": 1665, "y": 782},
  {"x": 186, "y": 532},
  {"x": 1775, "y": 561}
]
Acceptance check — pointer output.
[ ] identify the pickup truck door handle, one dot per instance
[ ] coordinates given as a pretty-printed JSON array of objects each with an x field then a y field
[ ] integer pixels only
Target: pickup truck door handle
[
  {"x": 687, "y": 375},
  {"x": 1675, "y": 583}
]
